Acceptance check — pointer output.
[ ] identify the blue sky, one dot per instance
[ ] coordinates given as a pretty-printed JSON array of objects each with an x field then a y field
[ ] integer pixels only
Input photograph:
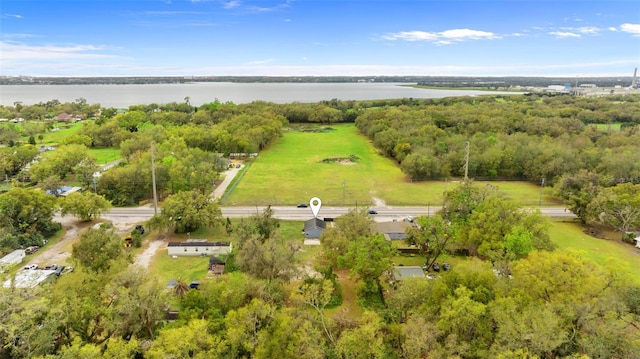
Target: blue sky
[{"x": 319, "y": 37}]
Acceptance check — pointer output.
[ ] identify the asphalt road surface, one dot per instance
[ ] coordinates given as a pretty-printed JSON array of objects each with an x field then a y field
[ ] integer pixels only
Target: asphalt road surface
[{"x": 294, "y": 213}]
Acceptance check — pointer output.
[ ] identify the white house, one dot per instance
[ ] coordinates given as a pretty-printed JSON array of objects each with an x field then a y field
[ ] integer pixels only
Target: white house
[
  {"x": 637, "y": 239},
  {"x": 11, "y": 259},
  {"x": 199, "y": 247}
]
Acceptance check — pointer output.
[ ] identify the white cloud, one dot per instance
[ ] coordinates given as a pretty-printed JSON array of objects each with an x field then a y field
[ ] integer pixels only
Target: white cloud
[
  {"x": 231, "y": 4},
  {"x": 631, "y": 28},
  {"x": 612, "y": 28},
  {"x": 441, "y": 38},
  {"x": 588, "y": 30},
  {"x": 17, "y": 16},
  {"x": 16, "y": 36},
  {"x": 564, "y": 34},
  {"x": 17, "y": 51},
  {"x": 463, "y": 34}
]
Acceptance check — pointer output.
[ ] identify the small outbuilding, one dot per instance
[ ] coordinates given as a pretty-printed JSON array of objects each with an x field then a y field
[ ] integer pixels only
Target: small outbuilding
[
  {"x": 401, "y": 272},
  {"x": 313, "y": 228},
  {"x": 216, "y": 265}
]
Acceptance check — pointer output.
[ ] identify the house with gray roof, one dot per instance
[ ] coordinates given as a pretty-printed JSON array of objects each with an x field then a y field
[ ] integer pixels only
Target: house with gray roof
[{"x": 313, "y": 228}]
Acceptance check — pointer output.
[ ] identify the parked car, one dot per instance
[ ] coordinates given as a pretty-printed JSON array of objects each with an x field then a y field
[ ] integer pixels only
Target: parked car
[
  {"x": 59, "y": 271},
  {"x": 140, "y": 229},
  {"x": 372, "y": 211},
  {"x": 51, "y": 267},
  {"x": 436, "y": 267},
  {"x": 446, "y": 266},
  {"x": 31, "y": 250},
  {"x": 31, "y": 266},
  {"x": 194, "y": 285},
  {"x": 302, "y": 205}
]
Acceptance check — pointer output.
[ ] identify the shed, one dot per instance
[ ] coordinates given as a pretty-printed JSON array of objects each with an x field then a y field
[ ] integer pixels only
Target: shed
[
  {"x": 198, "y": 248},
  {"x": 313, "y": 228},
  {"x": 216, "y": 265},
  {"x": 402, "y": 272},
  {"x": 12, "y": 258}
]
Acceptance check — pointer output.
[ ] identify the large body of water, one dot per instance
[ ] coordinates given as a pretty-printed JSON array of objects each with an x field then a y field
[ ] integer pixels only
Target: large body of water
[{"x": 122, "y": 96}]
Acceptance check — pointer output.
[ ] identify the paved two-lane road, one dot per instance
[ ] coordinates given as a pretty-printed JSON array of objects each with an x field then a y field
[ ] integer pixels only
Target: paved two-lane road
[{"x": 293, "y": 213}]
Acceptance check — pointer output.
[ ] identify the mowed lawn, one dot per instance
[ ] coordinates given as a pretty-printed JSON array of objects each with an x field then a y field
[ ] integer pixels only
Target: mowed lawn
[
  {"x": 291, "y": 171},
  {"x": 570, "y": 236},
  {"x": 105, "y": 155}
]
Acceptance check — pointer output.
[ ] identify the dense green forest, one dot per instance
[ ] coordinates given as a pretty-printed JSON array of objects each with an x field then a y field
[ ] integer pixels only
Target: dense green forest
[{"x": 511, "y": 293}]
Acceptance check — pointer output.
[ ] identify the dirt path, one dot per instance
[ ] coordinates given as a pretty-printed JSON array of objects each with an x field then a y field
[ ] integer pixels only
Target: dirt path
[
  {"x": 59, "y": 252},
  {"x": 144, "y": 259},
  {"x": 229, "y": 175}
]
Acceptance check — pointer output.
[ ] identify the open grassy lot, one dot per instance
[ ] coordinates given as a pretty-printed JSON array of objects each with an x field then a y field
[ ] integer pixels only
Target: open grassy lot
[
  {"x": 105, "y": 155},
  {"x": 569, "y": 235},
  {"x": 292, "y": 171},
  {"x": 54, "y": 137}
]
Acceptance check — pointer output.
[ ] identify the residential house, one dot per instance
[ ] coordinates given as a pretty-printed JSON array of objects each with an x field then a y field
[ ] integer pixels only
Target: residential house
[
  {"x": 29, "y": 278},
  {"x": 198, "y": 247},
  {"x": 393, "y": 230},
  {"x": 65, "y": 117},
  {"x": 313, "y": 228},
  {"x": 11, "y": 259}
]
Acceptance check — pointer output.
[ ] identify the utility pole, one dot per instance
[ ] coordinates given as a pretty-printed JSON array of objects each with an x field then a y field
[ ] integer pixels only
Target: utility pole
[
  {"x": 153, "y": 178},
  {"x": 541, "y": 190},
  {"x": 466, "y": 163},
  {"x": 343, "y": 186}
]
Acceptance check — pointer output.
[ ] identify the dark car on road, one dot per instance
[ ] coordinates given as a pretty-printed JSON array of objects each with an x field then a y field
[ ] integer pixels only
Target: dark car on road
[
  {"x": 302, "y": 205},
  {"x": 372, "y": 211}
]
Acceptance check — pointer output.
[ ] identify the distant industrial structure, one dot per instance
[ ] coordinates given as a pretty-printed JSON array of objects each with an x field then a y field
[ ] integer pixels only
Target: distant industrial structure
[{"x": 634, "y": 80}]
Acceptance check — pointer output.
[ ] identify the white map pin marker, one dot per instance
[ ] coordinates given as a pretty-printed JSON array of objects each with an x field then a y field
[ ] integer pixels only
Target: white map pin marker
[{"x": 315, "y": 203}]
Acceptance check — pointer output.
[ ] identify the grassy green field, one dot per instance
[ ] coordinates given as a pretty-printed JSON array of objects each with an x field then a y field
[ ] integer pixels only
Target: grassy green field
[
  {"x": 105, "y": 155},
  {"x": 606, "y": 127},
  {"x": 54, "y": 137},
  {"x": 568, "y": 235},
  {"x": 291, "y": 171}
]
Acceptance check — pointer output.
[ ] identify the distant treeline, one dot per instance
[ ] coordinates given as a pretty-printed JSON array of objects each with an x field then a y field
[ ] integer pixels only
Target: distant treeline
[
  {"x": 530, "y": 137},
  {"x": 437, "y": 81}
]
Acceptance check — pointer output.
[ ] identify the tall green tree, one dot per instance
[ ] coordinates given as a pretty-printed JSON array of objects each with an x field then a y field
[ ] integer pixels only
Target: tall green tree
[
  {"x": 187, "y": 211},
  {"x": 85, "y": 205},
  {"x": 26, "y": 214},
  {"x": 369, "y": 257},
  {"x": 618, "y": 207},
  {"x": 348, "y": 227},
  {"x": 430, "y": 235},
  {"x": 99, "y": 249}
]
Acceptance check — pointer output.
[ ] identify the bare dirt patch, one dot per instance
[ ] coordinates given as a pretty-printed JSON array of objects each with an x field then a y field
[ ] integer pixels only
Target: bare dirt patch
[
  {"x": 61, "y": 251},
  {"x": 351, "y": 160}
]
